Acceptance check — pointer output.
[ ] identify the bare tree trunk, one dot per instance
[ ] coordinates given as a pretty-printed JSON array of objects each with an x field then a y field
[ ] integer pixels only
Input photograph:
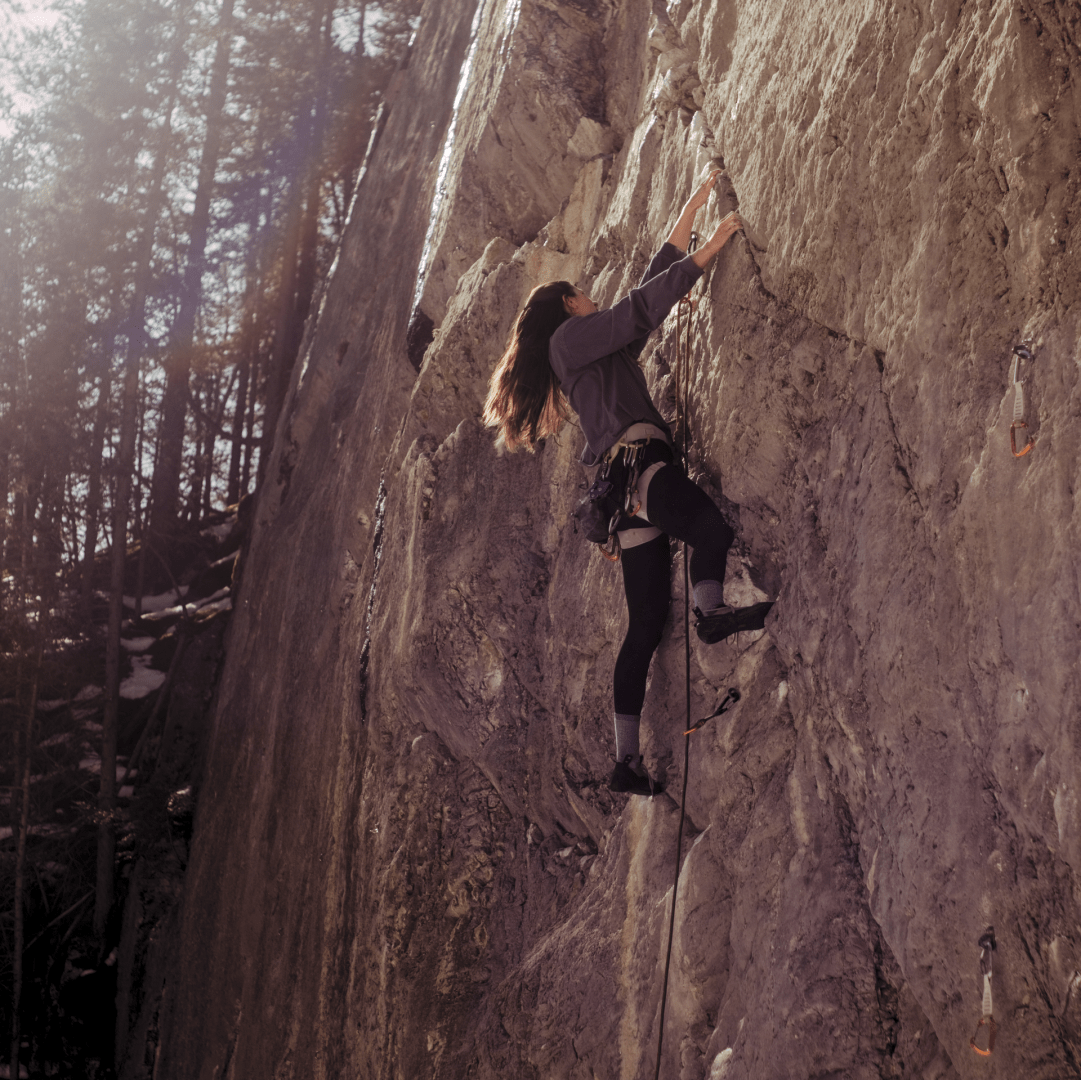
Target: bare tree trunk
[
  {"x": 307, "y": 270},
  {"x": 18, "y": 604},
  {"x": 301, "y": 234},
  {"x": 103, "y": 892},
  {"x": 249, "y": 429},
  {"x": 249, "y": 359},
  {"x": 208, "y": 470},
  {"x": 6, "y": 538},
  {"x": 94, "y": 500},
  {"x": 195, "y": 495},
  {"x": 39, "y": 579},
  {"x": 26, "y": 744},
  {"x": 235, "y": 451},
  {"x": 103, "y": 896},
  {"x": 22, "y": 823},
  {"x": 140, "y": 509},
  {"x": 166, "y": 485}
]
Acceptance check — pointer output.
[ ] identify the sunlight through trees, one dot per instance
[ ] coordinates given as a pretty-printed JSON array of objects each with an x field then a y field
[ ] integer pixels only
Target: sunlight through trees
[{"x": 174, "y": 178}]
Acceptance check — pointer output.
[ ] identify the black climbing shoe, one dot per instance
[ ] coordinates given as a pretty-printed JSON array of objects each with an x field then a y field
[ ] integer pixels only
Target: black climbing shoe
[
  {"x": 724, "y": 621},
  {"x": 626, "y": 779}
]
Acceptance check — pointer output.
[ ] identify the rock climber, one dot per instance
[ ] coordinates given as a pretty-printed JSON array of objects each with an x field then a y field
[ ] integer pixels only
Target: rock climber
[{"x": 565, "y": 354}]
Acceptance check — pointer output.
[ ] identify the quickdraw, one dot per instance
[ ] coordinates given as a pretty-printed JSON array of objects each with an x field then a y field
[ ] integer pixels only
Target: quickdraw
[
  {"x": 632, "y": 464},
  {"x": 628, "y": 503},
  {"x": 1020, "y": 353},
  {"x": 727, "y": 701},
  {"x": 987, "y": 947}
]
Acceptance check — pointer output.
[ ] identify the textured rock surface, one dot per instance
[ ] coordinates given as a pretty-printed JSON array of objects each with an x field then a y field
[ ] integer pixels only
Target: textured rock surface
[{"x": 406, "y": 860}]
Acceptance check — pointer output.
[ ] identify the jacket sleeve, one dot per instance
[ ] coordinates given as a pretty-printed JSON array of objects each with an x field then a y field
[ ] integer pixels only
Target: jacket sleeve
[
  {"x": 660, "y": 262},
  {"x": 586, "y": 338}
]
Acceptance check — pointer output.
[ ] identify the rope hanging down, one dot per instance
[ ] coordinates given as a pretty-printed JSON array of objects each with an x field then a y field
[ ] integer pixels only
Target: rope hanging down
[{"x": 683, "y": 361}]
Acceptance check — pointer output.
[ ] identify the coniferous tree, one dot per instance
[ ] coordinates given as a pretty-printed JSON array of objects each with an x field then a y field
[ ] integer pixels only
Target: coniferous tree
[{"x": 174, "y": 405}]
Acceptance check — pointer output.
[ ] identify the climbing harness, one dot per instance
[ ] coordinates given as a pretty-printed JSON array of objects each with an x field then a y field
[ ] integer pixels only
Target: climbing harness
[
  {"x": 1020, "y": 353},
  {"x": 614, "y": 492},
  {"x": 729, "y": 699},
  {"x": 987, "y": 947}
]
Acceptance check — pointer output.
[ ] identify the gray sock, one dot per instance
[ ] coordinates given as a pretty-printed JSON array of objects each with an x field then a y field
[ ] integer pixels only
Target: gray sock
[
  {"x": 627, "y": 725},
  {"x": 708, "y": 594}
]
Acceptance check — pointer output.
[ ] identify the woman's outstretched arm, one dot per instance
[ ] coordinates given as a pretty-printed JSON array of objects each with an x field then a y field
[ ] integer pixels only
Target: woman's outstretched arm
[
  {"x": 680, "y": 236},
  {"x": 706, "y": 253}
]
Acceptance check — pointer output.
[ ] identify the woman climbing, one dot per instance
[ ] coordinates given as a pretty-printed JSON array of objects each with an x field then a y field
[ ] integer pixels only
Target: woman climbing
[{"x": 565, "y": 354}]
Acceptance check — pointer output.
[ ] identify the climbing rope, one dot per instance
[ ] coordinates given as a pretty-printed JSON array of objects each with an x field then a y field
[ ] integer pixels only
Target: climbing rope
[
  {"x": 1020, "y": 353},
  {"x": 683, "y": 360},
  {"x": 987, "y": 947},
  {"x": 685, "y": 308}
]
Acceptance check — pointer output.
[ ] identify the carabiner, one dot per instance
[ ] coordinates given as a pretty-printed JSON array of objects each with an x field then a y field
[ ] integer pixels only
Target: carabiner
[
  {"x": 1013, "y": 439},
  {"x": 989, "y": 1021}
]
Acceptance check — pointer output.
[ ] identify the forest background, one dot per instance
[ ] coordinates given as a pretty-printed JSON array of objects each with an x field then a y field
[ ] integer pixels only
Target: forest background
[{"x": 174, "y": 179}]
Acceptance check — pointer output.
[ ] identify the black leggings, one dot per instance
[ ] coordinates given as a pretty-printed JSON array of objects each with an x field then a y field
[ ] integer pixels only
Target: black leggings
[{"x": 679, "y": 508}]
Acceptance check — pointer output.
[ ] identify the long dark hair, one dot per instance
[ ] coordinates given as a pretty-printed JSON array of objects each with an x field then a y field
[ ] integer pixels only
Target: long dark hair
[{"x": 525, "y": 402}]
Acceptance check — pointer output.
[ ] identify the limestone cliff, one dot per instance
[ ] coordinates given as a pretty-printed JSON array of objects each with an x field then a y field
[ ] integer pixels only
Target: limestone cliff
[{"x": 406, "y": 861}]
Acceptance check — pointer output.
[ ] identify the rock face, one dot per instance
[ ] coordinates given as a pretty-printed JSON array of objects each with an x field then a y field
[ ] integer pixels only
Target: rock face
[{"x": 406, "y": 860}]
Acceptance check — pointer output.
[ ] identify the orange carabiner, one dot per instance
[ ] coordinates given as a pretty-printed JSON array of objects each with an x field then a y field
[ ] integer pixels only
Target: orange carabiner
[
  {"x": 1013, "y": 439},
  {"x": 990, "y": 1022},
  {"x": 613, "y": 555}
]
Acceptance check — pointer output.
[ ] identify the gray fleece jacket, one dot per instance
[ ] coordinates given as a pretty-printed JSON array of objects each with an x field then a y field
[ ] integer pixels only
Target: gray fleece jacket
[{"x": 595, "y": 357}]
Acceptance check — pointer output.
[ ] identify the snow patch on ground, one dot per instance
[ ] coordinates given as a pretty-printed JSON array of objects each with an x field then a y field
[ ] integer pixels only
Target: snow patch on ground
[
  {"x": 89, "y": 691},
  {"x": 92, "y": 764},
  {"x": 56, "y": 740},
  {"x": 171, "y": 612},
  {"x": 143, "y": 679},
  {"x": 221, "y": 605},
  {"x": 219, "y": 532},
  {"x": 159, "y": 602},
  {"x": 6, "y": 833},
  {"x": 137, "y": 644},
  {"x": 211, "y": 603}
]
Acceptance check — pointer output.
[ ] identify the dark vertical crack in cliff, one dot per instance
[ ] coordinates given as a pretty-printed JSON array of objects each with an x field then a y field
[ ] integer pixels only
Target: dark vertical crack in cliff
[{"x": 379, "y": 518}]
